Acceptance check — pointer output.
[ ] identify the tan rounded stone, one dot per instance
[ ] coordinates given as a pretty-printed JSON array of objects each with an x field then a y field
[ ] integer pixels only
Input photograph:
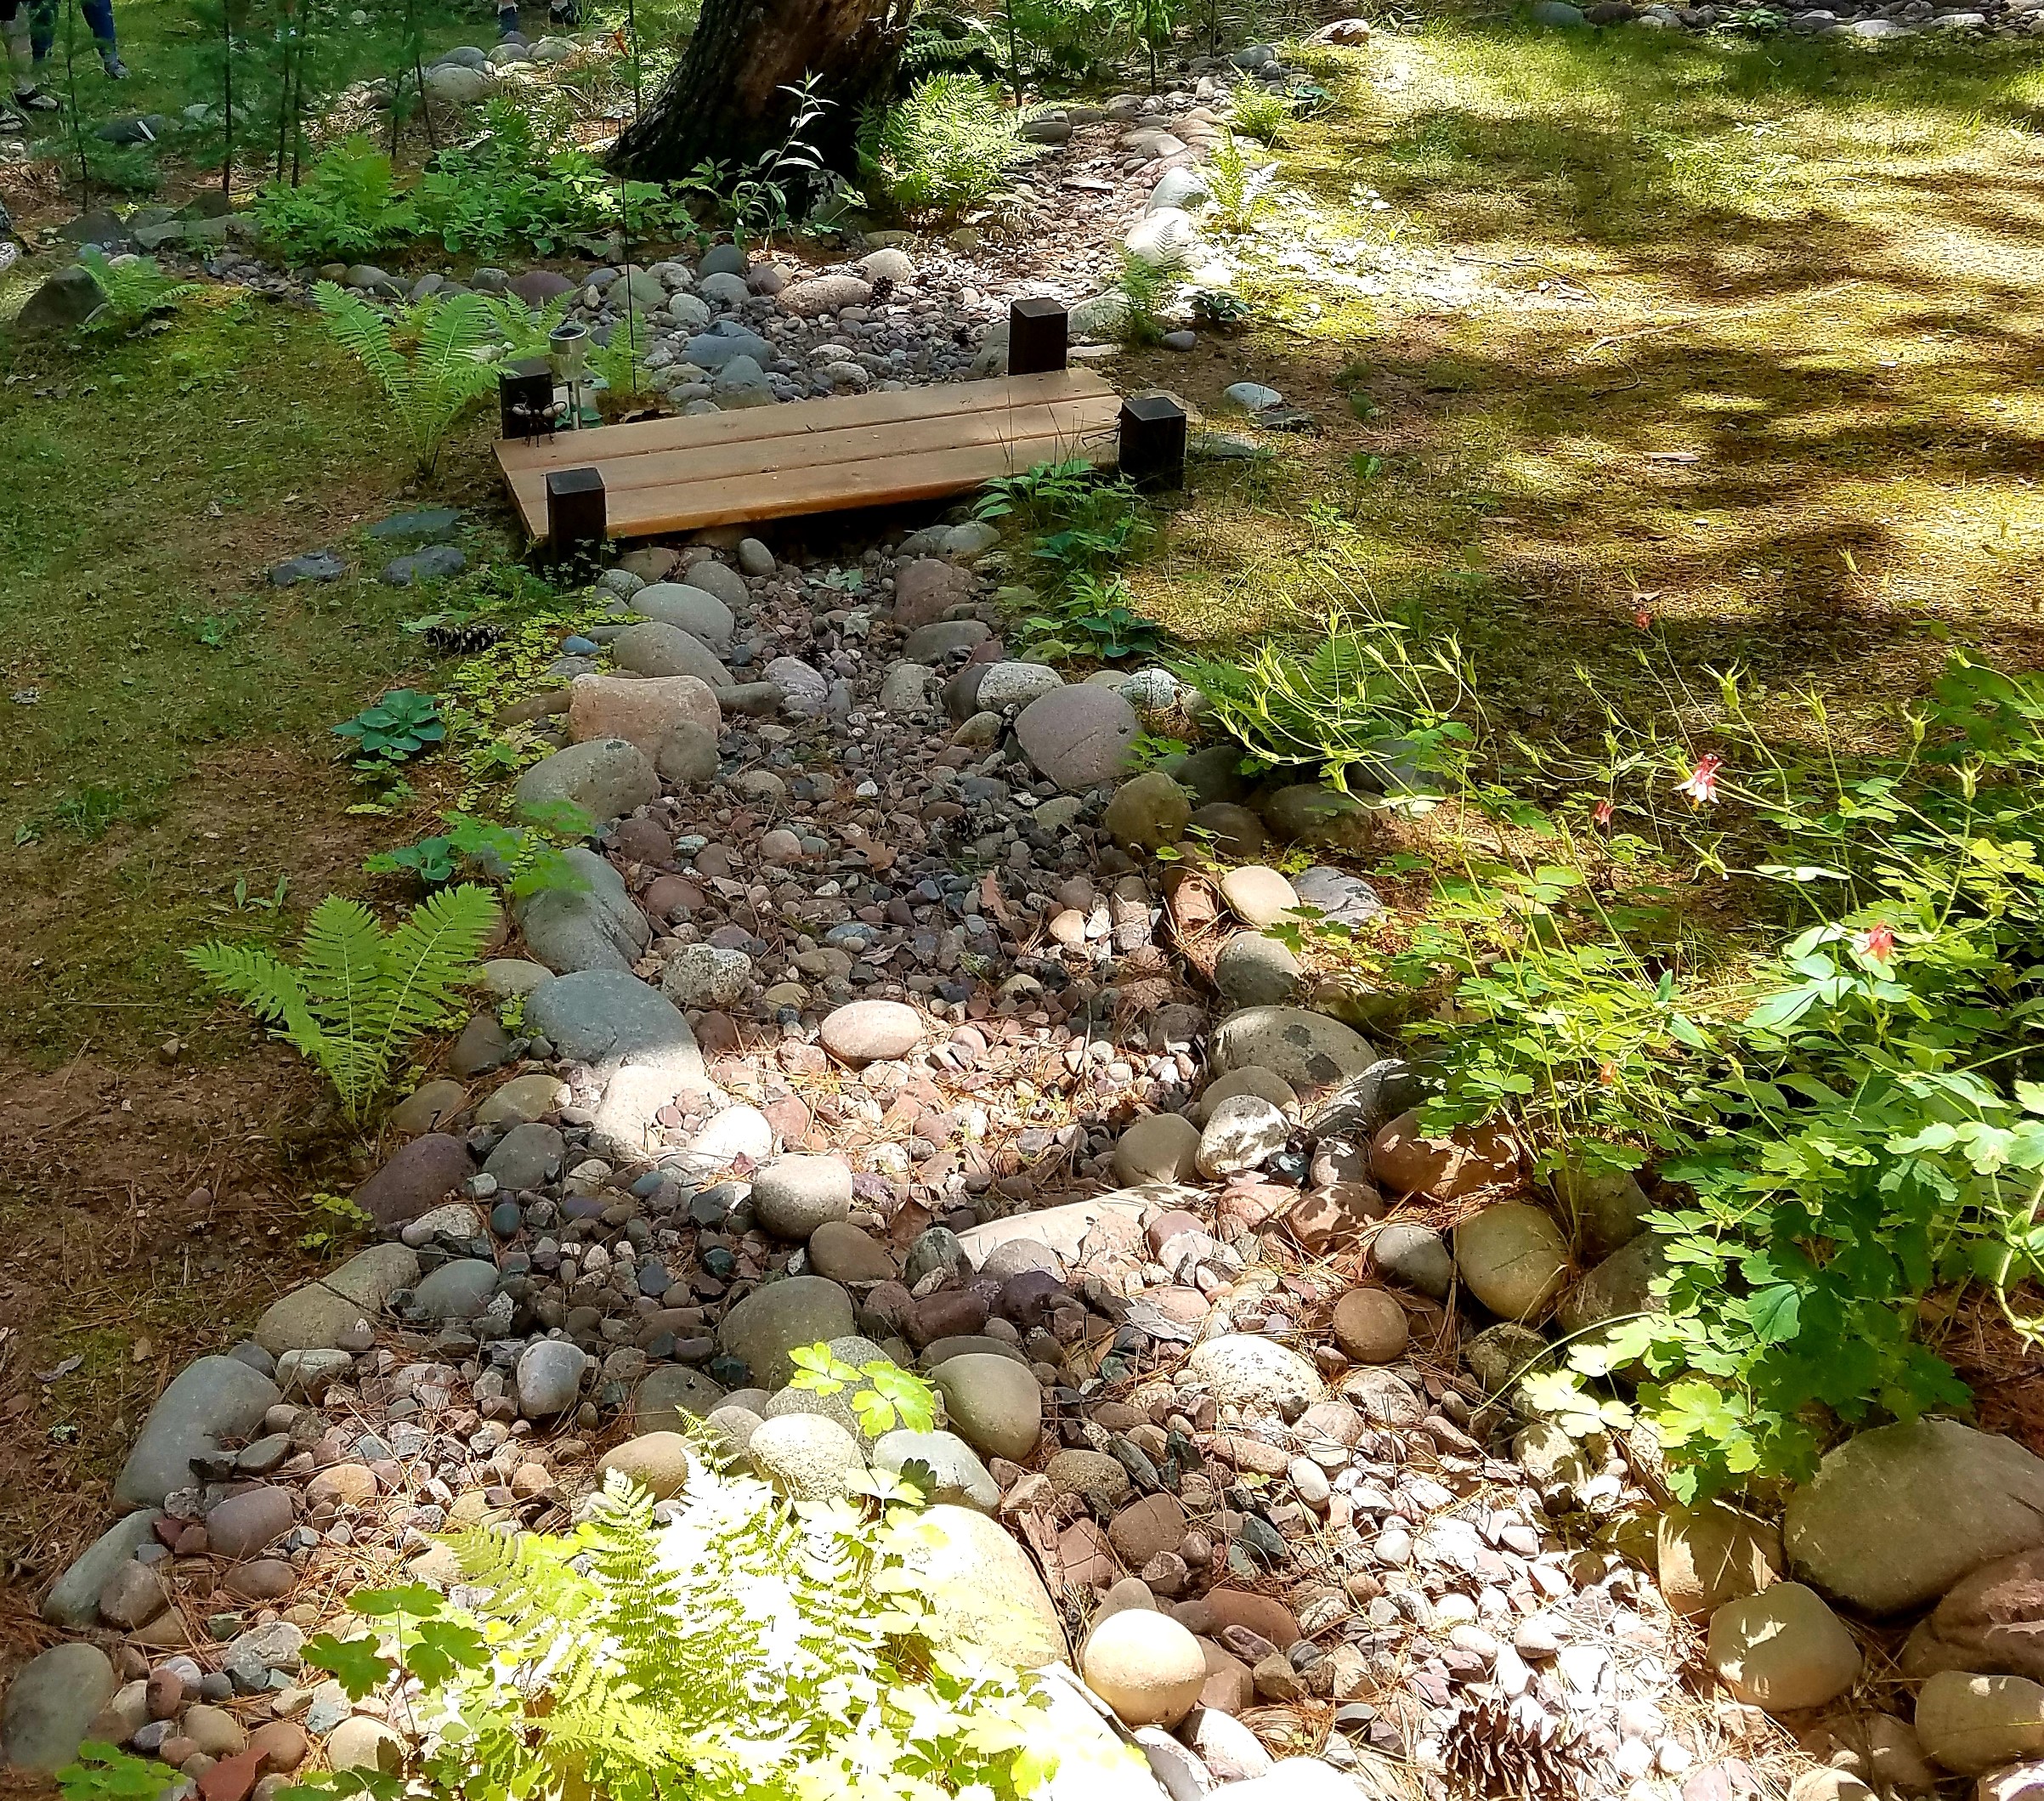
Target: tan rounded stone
[
  {"x": 1145, "y": 1665},
  {"x": 1370, "y": 1326}
]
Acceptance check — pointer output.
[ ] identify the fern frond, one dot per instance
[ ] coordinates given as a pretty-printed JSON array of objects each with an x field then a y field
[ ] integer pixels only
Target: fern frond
[
  {"x": 427, "y": 961},
  {"x": 365, "y": 334},
  {"x": 269, "y": 990}
]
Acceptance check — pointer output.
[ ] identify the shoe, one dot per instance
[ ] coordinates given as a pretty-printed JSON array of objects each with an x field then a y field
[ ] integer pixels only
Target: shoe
[
  {"x": 116, "y": 71},
  {"x": 33, "y": 100}
]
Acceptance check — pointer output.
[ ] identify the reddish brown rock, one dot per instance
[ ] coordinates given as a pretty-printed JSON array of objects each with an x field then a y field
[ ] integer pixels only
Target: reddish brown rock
[
  {"x": 927, "y": 589},
  {"x": 1228, "y": 1687},
  {"x": 1407, "y": 1161},
  {"x": 1086, "y": 1555},
  {"x": 1150, "y": 1528},
  {"x": 282, "y": 1743},
  {"x": 1328, "y": 1215},
  {"x": 422, "y": 1175}
]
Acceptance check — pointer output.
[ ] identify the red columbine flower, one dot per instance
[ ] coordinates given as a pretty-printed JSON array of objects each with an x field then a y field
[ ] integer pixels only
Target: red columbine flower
[
  {"x": 1877, "y": 942},
  {"x": 1607, "y": 1073},
  {"x": 1701, "y": 785},
  {"x": 1643, "y": 619},
  {"x": 1601, "y": 813}
]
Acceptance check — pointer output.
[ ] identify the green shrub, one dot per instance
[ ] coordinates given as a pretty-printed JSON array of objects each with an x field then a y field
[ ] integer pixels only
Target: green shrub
[
  {"x": 1847, "y": 1115},
  {"x": 950, "y": 145},
  {"x": 348, "y": 207},
  {"x": 1363, "y": 702},
  {"x": 132, "y": 292},
  {"x": 745, "y": 1652},
  {"x": 1239, "y": 190},
  {"x": 357, "y": 996},
  {"x": 525, "y": 859}
]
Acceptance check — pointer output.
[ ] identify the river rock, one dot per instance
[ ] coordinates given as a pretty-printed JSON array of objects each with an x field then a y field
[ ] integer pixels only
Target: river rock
[
  {"x": 1783, "y": 1650},
  {"x": 927, "y": 589},
  {"x": 1160, "y": 1148},
  {"x": 313, "y": 1315},
  {"x": 847, "y": 1253},
  {"x": 1258, "y": 896},
  {"x": 1415, "y": 1255},
  {"x": 1241, "y": 1134},
  {"x": 250, "y": 1521},
  {"x": 1253, "y": 970},
  {"x": 994, "y": 1402},
  {"x": 1257, "y": 1375},
  {"x": 212, "y": 1399},
  {"x": 1145, "y": 1665},
  {"x": 1514, "y": 1258},
  {"x": 1406, "y": 1160},
  {"x": 961, "y": 1480},
  {"x": 1079, "y": 736},
  {"x": 982, "y": 1591},
  {"x": 595, "y": 925},
  {"x": 1370, "y": 1327},
  {"x": 1606, "y": 1209},
  {"x": 871, "y": 1031},
  {"x": 641, "y": 710},
  {"x": 420, "y": 1176},
  {"x": 673, "y": 1388},
  {"x": 458, "y": 1290},
  {"x": 609, "y": 1018},
  {"x": 528, "y": 1155},
  {"x": 1147, "y": 813},
  {"x": 793, "y": 1196},
  {"x": 807, "y": 1457},
  {"x": 51, "y": 1702},
  {"x": 1895, "y": 1516},
  {"x": 1711, "y": 1553},
  {"x": 548, "y": 1378},
  {"x": 779, "y": 1317},
  {"x": 690, "y": 606},
  {"x": 654, "y": 648},
  {"x": 1309, "y": 1050},
  {"x": 1969, "y": 1723},
  {"x": 1990, "y": 1622},
  {"x": 73, "y": 1598},
  {"x": 606, "y": 777}
]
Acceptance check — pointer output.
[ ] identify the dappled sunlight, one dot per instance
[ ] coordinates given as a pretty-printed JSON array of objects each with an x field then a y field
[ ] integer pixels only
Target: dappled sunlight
[{"x": 1751, "y": 333}]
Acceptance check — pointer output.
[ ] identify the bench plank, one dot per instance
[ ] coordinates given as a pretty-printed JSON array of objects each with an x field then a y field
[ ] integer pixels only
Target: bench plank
[{"x": 681, "y": 474}]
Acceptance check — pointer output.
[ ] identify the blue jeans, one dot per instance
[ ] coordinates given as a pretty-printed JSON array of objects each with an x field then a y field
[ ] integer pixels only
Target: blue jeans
[{"x": 42, "y": 25}]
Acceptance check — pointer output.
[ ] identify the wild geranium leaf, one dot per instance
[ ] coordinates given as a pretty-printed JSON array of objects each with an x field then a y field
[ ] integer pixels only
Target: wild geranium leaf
[
  {"x": 355, "y": 1664},
  {"x": 442, "y": 1647},
  {"x": 415, "y": 1600},
  {"x": 1775, "y": 1314}
]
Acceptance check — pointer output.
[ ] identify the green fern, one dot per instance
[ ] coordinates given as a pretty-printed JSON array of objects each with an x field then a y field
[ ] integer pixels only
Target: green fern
[
  {"x": 434, "y": 359},
  {"x": 949, "y": 145},
  {"x": 741, "y": 1650},
  {"x": 1238, "y": 186},
  {"x": 133, "y": 291},
  {"x": 357, "y": 996}
]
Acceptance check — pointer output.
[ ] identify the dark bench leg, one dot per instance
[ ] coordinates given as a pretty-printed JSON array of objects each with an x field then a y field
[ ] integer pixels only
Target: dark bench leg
[
  {"x": 577, "y": 521},
  {"x": 525, "y": 398},
  {"x": 1153, "y": 453},
  {"x": 1037, "y": 338}
]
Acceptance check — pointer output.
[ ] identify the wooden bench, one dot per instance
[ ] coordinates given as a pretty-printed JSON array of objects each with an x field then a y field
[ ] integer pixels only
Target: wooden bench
[{"x": 575, "y": 489}]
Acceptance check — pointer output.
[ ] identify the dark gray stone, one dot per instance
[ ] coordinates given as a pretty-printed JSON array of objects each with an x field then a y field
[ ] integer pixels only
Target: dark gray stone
[{"x": 212, "y": 1399}]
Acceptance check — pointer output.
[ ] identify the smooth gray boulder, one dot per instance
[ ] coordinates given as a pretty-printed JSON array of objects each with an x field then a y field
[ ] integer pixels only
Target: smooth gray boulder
[
  {"x": 654, "y": 648},
  {"x": 74, "y": 1599},
  {"x": 1309, "y": 1050},
  {"x": 780, "y": 1316},
  {"x": 50, "y": 1704},
  {"x": 596, "y": 926},
  {"x": 313, "y": 1315},
  {"x": 212, "y": 1399},
  {"x": 961, "y": 1480},
  {"x": 689, "y": 605},
  {"x": 606, "y": 777},
  {"x": 1894, "y": 1517},
  {"x": 610, "y": 1019}
]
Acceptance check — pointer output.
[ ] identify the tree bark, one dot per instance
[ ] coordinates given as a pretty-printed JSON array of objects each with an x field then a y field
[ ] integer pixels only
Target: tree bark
[{"x": 725, "y": 104}]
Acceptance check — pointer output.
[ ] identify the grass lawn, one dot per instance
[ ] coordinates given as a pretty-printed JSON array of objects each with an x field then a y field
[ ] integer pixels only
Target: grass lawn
[{"x": 1737, "y": 334}]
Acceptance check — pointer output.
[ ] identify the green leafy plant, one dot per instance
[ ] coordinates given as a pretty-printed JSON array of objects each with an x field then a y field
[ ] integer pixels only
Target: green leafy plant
[
  {"x": 1363, "y": 702},
  {"x": 742, "y": 1651},
  {"x": 103, "y": 1772},
  {"x": 1045, "y": 491},
  {"x": 1145, "y": 287},
  {"x": 525, "y": 859},
  {"x": 433, "y": 360},
  {"x": 884, "y": 1394},
  {"x": 1095, "y": 617},
  {"x": 358, "y": 995},
  {"x": 395, "y": 729},
  {"x": 1152, "y": 25},
  {"x": 948, "y": 145},
  {"x": 1218, "y": 311},
  {"x": 348, "y": 206},
  {"x": 336, "y": 1220},
  {"x": 134, "y": 290},
  {"x": 1238, "y": 189},
  {"x": 1261, "y": 112}
]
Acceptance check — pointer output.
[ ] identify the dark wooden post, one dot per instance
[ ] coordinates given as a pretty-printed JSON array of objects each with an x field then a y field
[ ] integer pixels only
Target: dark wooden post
[
  {"x": 524, "y": 395},
  {"x": 577, "y": 521},
  {"x": 1037, "y": 337},
  {"x": 1153, "y": 453}
]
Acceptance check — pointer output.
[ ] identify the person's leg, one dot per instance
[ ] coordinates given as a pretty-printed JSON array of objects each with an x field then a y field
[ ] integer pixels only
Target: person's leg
[
  {"x": 41, "y": 29},
  {"x": 22, "y": 65},
  {"x": 99, "y": 17},
  {"x": 507, "y": 21}
]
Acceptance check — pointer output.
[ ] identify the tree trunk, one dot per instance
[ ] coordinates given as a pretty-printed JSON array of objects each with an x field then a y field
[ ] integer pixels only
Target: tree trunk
[{"x": 725, "y": 103}]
